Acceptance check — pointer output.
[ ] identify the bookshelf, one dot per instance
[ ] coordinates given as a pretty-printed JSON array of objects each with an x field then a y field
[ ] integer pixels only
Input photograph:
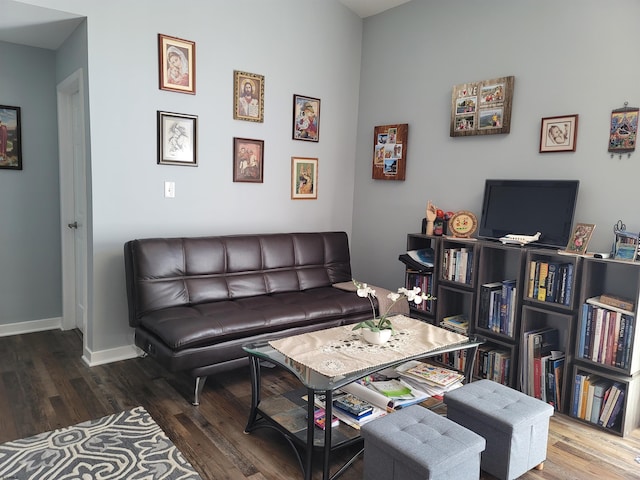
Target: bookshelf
[
  {"x": 424, "y": 278},
  {"x": 577, "y": 279},
  {"x": 607, "y": 339}
]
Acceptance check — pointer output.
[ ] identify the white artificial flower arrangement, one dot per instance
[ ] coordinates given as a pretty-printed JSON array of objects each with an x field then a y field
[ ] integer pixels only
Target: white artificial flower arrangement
[{"x": 414, "y": 295}]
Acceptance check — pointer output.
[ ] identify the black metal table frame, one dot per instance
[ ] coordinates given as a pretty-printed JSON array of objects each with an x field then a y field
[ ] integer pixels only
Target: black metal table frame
[{"x": 256, "y": 415}]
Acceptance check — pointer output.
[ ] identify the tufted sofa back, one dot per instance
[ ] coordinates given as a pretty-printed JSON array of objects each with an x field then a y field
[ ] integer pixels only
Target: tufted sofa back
[{"x": 172, "y": 272}]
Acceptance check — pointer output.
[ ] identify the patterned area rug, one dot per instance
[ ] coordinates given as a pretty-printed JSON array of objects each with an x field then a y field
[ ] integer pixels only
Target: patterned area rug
[{"x": 126, "y": 446}]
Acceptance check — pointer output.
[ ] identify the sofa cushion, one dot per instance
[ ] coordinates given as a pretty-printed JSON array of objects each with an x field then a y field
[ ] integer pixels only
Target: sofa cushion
[{"x": 218, "y": 322}]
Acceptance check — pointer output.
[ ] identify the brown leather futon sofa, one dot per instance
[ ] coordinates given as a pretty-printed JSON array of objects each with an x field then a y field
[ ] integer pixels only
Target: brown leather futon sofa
[{"x": 194, "y": 302}]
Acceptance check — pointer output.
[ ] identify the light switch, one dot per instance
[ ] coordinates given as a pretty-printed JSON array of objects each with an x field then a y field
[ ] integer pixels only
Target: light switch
[{"x": 169, "y": 189}]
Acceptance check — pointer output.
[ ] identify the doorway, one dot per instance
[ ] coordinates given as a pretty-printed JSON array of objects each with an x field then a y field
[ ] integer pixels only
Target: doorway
[{"x": 73, "y": 201}]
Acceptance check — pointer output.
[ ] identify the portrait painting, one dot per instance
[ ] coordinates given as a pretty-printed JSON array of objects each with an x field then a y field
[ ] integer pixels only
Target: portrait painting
[
  {"x": 306, "y": 118},
  {"x": 177, "y": 60},
  {"x": 559, "y": 134},
  {"x": 248, "y": 91},
  {"x": 10, "y": 138},
  {"x": 177, "y": 139},
  {"x": 580, "y": 238},
  {"x": 304, "y": 178},
  {"x": 248, "y": 160}
]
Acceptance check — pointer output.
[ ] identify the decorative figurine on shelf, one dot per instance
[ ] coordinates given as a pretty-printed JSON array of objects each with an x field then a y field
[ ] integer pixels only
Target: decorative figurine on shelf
[
  {"x": 447, "y": 217},
  {"x": 438, "y": 224},
  {"x": 431, "y": 215}
]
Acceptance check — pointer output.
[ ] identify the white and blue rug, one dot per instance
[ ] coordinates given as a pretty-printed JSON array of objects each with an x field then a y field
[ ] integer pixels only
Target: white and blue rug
[{"x": 128, "y": 445}]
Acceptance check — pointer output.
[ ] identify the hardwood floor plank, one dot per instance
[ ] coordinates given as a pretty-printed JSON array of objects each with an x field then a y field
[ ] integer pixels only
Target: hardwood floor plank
[{"x": 44, "y": 385}]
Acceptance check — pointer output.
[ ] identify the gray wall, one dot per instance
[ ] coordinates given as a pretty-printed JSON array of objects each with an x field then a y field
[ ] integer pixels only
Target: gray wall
[
  {"x": 568, "y": 57},
  {"x": 29, "y": 198},
  {"x": 301, "y": 47}
]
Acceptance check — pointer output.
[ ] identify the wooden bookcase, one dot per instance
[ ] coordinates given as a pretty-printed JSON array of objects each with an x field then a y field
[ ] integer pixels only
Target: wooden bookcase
[{"x": 562, "y": 309}]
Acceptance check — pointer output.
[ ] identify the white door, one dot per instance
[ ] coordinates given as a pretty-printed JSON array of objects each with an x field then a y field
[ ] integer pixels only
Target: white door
[{"x": 73, "y": 201}]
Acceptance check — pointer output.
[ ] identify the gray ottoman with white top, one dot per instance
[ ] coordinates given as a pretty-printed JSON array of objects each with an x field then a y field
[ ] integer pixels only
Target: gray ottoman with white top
[
  {"x": 515, "y": 425},
  {"x": 416, "y": 444}
]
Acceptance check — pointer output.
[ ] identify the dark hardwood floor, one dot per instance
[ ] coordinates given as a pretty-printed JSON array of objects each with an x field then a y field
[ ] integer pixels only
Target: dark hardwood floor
[{"x": 44, "y": 385}]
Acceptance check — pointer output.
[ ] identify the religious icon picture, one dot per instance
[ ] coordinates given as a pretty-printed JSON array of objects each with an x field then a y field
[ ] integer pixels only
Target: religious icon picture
[
  {"x": 248, "y": 160},
  {"x": 248, "y": 93},
  {"x": 559, "y": 134},
  {"x": 304, "y": 178},
  {"x": 580, "y": 239},
  {"x": 177, "y": 60},
  {"x": 624, "y": 130},
  {"x": 306, "y": 118},
  {"x": 177, "y": 135}
]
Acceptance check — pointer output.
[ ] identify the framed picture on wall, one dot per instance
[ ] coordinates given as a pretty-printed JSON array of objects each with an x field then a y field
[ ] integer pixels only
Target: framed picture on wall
[
  {"x": 390, "y": 152},
  {"x": 306, "y": 118},
  {"x": 248, "y": 94},
  {"x": 304, "y": 178},
  {"x": 248, "y": 160},
  {"x": 177, "y": 60},
  {"x": 559, "y": 134},
  {"x": 10, "y": 138},
  {"x": 177, "y": 139}
]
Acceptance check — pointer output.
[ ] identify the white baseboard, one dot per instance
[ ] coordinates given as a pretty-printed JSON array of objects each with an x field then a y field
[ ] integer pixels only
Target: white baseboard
[
  {"x": 31, "y": 326},
  {"x": 101, "y": 357}
]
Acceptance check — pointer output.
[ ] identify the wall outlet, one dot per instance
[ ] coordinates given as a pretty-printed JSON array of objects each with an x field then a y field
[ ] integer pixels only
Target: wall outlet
[{"x": 169, "y": 189}]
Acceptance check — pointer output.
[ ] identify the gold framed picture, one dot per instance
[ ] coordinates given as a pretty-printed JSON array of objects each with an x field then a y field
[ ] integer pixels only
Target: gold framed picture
[
  {"x": 248, "y": 92},
  {"x": 304, "y": 178},
  {"x": 177, "y": 61}
]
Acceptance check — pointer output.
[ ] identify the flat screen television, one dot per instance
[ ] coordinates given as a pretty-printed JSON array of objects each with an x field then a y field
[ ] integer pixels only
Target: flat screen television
[{"x": 525, "y": 207}]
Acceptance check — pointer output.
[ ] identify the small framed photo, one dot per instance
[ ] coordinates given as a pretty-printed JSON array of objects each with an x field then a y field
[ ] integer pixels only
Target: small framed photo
[
  {"x": 10, "y": 138},
  {"x": 306, "y": 118},
  {"x": 248, "y": 160},
  {"x": 559, "y": 134},
  {"x": 304, "y": 178},
  {"x": 177, "y": 139},
  {"x": 177, "y": 60},
  {"x": 580, "y": 238},
  {"x": 248, "y": 92}
]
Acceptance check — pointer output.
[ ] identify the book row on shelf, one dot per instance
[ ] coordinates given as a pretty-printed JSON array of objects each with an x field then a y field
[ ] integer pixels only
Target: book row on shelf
[
  {"x": 606, "y": 334},
  {"x": 550, "y": 281},
  {"x": 498, "y": 306},
  {"x": 597, "y": 400},
  {"x": 493, "y": 364},
  {"x": 457, "y": 264},
  {"x": 543, "y": 366},
  {"x": 425, "y": 282}
]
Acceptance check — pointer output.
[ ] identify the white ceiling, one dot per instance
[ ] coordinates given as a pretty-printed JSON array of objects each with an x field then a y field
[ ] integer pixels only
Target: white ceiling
[
  {"x": 35, "y": 26},
  {"x": 46, "y": 28},
  {"x": 366, "y": 8}
]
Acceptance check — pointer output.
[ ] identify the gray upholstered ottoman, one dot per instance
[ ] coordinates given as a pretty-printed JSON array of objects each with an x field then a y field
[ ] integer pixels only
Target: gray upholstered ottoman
[
  {"x": 416, "y": 444},
  {"x": 514, "y": 425}
]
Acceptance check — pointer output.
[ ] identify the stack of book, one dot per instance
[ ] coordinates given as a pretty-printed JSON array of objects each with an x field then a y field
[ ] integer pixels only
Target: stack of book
[
  {"x": 498, "y": 307},
  {"x": 456, "y": 323},
  {"x": 550, "y": 282},
  {"x": 494, "y": 364},
  {"x": 434, "y": 380},
  {"x": 542, "y": 365}
]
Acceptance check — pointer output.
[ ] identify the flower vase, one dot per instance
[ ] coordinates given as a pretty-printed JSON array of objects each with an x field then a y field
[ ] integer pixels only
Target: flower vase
[{"x": 377, "y": 338}]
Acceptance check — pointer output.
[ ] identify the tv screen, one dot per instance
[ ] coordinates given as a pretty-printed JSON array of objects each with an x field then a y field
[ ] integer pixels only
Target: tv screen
[{"x": 528, "y": 206}]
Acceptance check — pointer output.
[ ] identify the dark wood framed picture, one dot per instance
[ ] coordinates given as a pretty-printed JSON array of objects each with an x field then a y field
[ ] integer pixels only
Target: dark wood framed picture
[
  {"x": 481, "y": 108},
  {"x": 306, "y": 118},
  {"x": 390, "y": 152},
  {"x": 177, "y": 139},
  {"x": 304, "y": 178},
  {"x": 177, "y": 60},
  {"x": 248, "y": 94},
  {"x": 559, "y": 134},
  {"x": 248, "y": 160},
  {"x": 10, "y": 138}
]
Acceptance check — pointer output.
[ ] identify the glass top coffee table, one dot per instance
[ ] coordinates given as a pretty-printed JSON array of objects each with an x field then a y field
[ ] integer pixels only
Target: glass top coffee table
[{"x": 293, "y": 416}]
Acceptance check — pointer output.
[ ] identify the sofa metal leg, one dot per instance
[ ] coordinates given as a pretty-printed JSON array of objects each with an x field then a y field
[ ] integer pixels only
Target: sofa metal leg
[{"x": 200, "y": 381}]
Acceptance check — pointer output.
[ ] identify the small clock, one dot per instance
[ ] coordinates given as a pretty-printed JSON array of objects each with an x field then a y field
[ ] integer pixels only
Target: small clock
[{"x": 463, "y": 224}]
